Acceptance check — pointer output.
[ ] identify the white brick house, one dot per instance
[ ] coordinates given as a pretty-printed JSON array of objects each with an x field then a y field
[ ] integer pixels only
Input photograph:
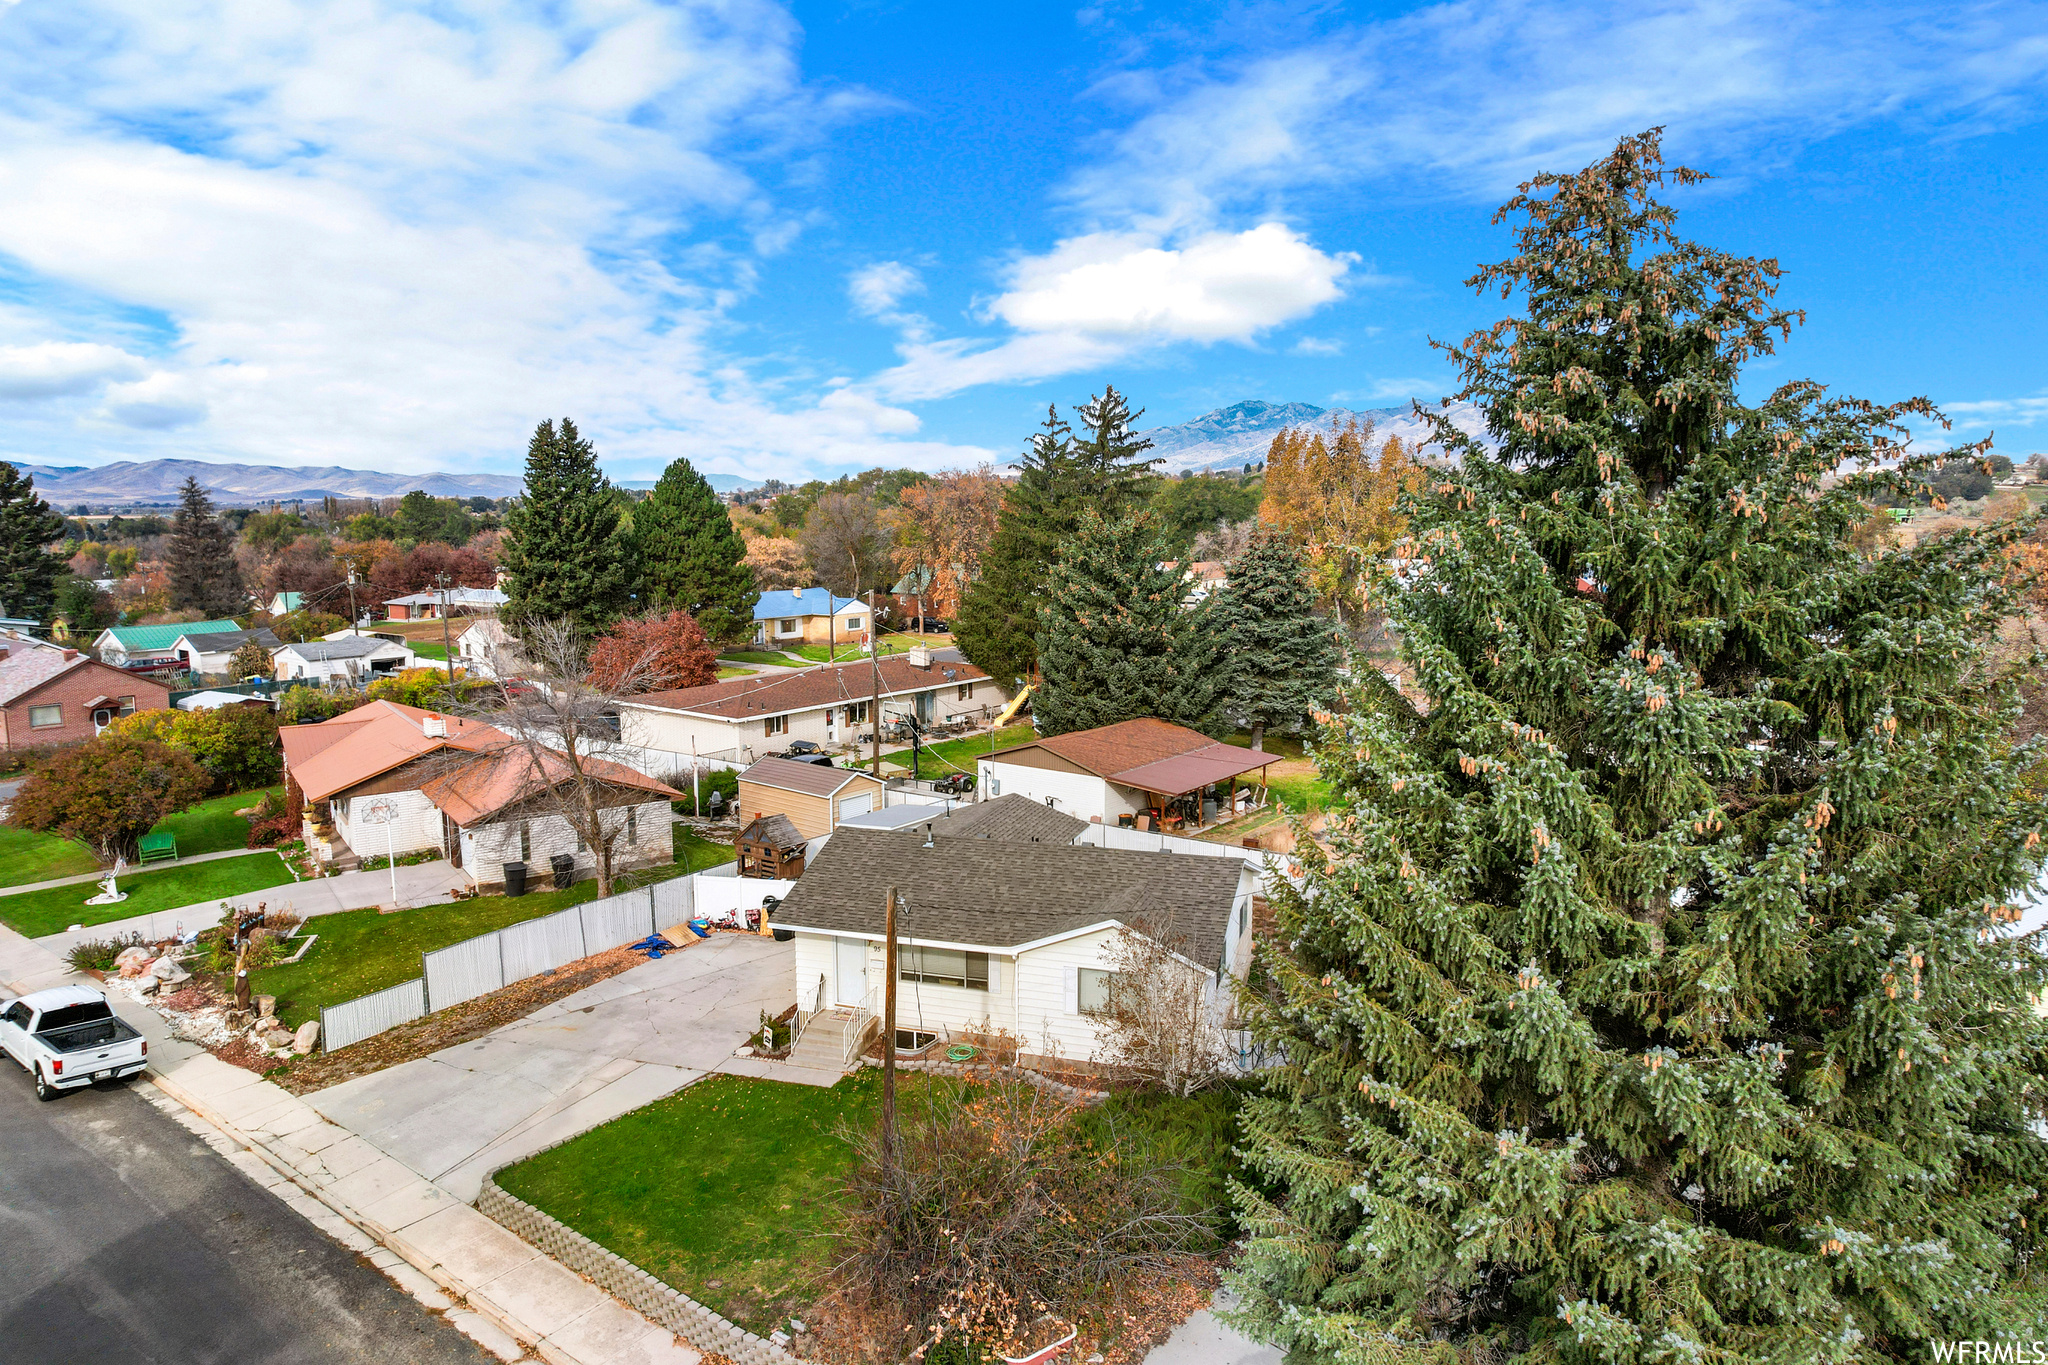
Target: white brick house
[{"x": 386, "y": 778}]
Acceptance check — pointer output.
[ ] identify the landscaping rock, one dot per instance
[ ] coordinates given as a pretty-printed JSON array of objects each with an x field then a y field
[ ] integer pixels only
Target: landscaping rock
[
  {"x": 277, "y": 1037},
  {"x": 131, "y": 961},
  {"x": 167, "y": 968},
  {"x": 307, "y": 1038},
  {"x": 266, "y": 1006}
]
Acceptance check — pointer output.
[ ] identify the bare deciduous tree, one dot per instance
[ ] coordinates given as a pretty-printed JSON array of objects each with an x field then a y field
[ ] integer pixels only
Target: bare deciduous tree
[
  {"x": 1162, "y": 1023},
  {"x": 844, "y": 537},
  {"x": 564, "y": 727}
]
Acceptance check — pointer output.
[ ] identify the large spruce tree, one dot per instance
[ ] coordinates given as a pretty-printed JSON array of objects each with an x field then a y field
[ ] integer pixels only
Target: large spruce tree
[
  {"x": 1658, "y": 998},
  {"x": 1116, "y": 637},
  {"x": 565, "y": 556},
  {"x": 28, "y": 571},
  {"x": 204, "y": 575},
  {"x": 1283, "y": 656},
  {"x": 1059, "y": 479},
  {"x": 691, "y": 558}
]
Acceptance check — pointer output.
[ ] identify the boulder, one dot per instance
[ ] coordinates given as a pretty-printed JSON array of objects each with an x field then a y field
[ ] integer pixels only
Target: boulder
[
  {"x": 277, "y": 1038},
  {"x": 307, "y": 1038},
  {"x": 167, "y": 969},
  {"x": 132, "y": 961},
  {"x": 266, "y": 1006}
]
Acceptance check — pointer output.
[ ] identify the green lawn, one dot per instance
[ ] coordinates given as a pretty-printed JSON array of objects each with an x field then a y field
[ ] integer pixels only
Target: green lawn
[
  {"x": 697, "y": 853},
  {"x": 50, "y": 911},
  {"x": 725, "y": 673},
  {"x": 209, "y": 827},
  {"x": 721, "y": 1190},
  {"x": 753, "y": 656},
  {"x": 26, "y": 856},
  {"x": 891, "y": 644},
  {"x": 1301, "y": 788},
  {"x": 212, "y": 826},
  {"x": 361, "y": 951},
  {"x": 725, "y": 1190},
  {"x": 963, "y": 752},
  {"x": 428, "y": 649}
]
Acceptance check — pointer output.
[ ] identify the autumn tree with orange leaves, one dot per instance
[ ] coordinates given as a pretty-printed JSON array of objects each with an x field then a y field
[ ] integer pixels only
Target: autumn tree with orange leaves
[{"x": 1339, "y": 503}]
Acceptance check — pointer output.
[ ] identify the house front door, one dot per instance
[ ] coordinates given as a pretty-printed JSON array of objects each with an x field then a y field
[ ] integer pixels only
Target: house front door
[
  {"x": 831, "y": 725},
  {"x": 850, "y": 974}
]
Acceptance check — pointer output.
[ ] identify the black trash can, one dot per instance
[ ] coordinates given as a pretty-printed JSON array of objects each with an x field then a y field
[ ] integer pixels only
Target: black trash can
[
  {"x": 515, "y": 879},
  {"x": 564, "y": 866}
]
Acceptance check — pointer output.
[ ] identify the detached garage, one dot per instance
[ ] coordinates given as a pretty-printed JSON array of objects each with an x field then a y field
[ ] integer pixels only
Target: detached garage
[{"x": 813, "y": 797}]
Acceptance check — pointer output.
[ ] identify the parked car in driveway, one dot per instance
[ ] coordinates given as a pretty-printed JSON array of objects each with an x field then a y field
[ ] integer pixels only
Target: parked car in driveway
[{"x": 69, "y": 1037}]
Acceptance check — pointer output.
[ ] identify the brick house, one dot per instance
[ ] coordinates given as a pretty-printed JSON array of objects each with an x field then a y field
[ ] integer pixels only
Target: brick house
[
  {"x": 386, "y": 778},
  {"x": 53, "y": 695}
]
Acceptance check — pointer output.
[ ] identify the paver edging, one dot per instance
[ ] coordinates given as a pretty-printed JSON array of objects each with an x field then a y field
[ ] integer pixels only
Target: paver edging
[{"x": 701, "y": 1326}]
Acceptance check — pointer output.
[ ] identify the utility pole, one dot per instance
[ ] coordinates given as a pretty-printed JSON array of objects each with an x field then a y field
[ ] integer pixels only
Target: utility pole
[
  {"x": 889, "y": 1034},
  {"x": 352, "y": 599},
  {"x": 447, "y": 649},
  {"x": 875, "y": 705}
]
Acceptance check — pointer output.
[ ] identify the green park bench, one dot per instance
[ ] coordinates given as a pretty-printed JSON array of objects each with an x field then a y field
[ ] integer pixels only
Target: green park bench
[{"x": 159, "y": 848}]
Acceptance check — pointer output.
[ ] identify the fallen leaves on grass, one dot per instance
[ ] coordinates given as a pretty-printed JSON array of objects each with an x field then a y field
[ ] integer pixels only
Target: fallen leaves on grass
[{"x": 456, "y": 1024}]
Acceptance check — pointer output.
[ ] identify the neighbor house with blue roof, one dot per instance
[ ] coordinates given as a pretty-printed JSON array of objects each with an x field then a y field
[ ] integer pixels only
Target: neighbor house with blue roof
[{"x": 813, "y": 616}]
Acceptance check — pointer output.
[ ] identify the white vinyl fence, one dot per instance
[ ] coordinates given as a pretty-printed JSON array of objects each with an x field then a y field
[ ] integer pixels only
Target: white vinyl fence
[
  {"x": 360, "y": 1018},
  {"x": 477, "y": 966}
]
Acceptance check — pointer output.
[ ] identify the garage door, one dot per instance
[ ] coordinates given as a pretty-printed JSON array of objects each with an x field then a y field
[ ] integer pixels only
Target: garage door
[{"x": 850, "y": 806}]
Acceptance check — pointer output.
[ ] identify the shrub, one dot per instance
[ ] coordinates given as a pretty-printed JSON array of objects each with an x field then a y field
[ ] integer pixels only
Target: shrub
[
  {"x": 999, "y": 1206},
  {"x": 270, "y": 831},
  {"x": 98, "y": 954},
  {"x": 108, "y": 792},
  {"x": 722, "y": 780}
]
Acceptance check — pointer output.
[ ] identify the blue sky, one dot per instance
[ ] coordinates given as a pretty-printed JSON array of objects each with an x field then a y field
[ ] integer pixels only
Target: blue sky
[{"x": 785, "y": 240}]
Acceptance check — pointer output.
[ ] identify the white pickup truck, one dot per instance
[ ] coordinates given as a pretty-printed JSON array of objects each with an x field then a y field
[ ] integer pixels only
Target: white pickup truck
[{"x": 69, "y": 1037}]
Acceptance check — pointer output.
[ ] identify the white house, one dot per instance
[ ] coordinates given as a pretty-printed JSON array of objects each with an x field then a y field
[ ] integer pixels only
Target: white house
[
  {"x": 131, "y": 646},
  {"x": 390, "y": 779},
  {"x": 487, "y": 647},
  {"x": 422, "y": 606},
  {"x": 284, "y": 603},
  {"x": 207, "y": 654},
  {"x": 1005, "y": 923},
  {"x": 743, "y": 719},
  {"x": 1116, "y": 773},
  {"x": 353, "y": 659}
]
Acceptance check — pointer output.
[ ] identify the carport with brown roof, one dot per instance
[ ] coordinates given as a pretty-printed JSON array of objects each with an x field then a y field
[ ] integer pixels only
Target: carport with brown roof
[{"x": 1163, "y": 760}]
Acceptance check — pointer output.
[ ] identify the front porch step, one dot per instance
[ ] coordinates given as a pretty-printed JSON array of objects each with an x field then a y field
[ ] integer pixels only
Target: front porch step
[{"x": 823, "y": 1046}]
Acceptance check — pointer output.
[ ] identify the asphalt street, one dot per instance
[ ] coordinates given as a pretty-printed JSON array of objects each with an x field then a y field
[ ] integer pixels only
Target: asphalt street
[{"x": 123, "y": 1238}]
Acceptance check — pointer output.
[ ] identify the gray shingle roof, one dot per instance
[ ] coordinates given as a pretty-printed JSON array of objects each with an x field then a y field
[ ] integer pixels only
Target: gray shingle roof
[
  {"x": 228, "y": 641},
  {"x": 349, "y": 647},
  {"x": 1014, "y": 819},
  {"x": 812, "y": 779},
  {"x": 998, "y": 894}
]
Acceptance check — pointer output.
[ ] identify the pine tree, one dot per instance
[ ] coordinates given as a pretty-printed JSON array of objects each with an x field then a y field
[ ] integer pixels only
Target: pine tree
[
  {"x": 999, "y": 612},
  {"x": 691, "y": 557},
  {"x": 564, "y": 554},
  {"x": 1283, "y": 656},
  {"x": 1657, "y": 997},
  {"x": 1060, "y": 479},
  {"x": 28, "y": 571},
  {"x": 204, "y": 575},
  {"x": 1116, "y": 638}
]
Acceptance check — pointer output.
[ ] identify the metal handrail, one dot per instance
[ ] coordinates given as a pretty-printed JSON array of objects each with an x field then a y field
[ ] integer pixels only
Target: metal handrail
[{"x": 804, "y": 1017}]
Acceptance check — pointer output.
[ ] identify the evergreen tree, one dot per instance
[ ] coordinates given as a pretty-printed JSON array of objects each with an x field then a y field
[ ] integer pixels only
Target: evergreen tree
[
  {"x": 1116, "y": 638},
  {"x": 1060, "y": 479},
  {"x": 28, "y": 571},
  {"x": 691, "y": 556},
  {"x": 204, "y": 575},
  {"x": 1283, "y": 656},
  {"x": 564, "y": 554},
  {"x": 999, "y": 611},
  {"x": 1657, "y": 998}
]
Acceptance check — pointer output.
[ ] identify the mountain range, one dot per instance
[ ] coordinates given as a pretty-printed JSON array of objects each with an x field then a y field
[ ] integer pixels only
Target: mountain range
[
  {"x": 152, "y": 482},
  {"x": 1232, "y": 437}
]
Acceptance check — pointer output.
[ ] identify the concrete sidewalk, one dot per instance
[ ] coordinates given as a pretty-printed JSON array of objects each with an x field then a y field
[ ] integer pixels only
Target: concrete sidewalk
[
  {"x": 419, "y": 884},
  {"x": 459, "y": 1114}
]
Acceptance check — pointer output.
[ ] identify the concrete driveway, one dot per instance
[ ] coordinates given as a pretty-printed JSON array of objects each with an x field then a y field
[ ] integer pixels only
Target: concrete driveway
[{"x": 460, "y": 1113}]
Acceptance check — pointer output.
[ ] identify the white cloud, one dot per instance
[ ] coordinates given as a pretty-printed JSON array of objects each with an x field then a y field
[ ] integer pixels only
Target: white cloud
[
  {"x": 1476, "y": 95},
  {"x": 1103, "y": 296},
  {"x": 877, "y": 289},
  {"x": 397, "y": 237},
  {"x": 2018, "y": 412},
  {"x": 61, "y": 369},
  {"x": 1317, "y": 346}
]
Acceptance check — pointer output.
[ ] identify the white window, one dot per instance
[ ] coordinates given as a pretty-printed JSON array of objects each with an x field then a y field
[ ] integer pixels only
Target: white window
[
  {"x": 775, "y": 725},
  {"x": 856, "y": 713},
  {"x": 853, "y": 622},
  {"x": 943, "y": 967},
  {"x": 788, "y": 627},
  {"x": 966, "y": 691},
  {"x": 42, "y": 717},
  {"x": 127, "y": 706},
  {"x": 1092, "y": 986}
]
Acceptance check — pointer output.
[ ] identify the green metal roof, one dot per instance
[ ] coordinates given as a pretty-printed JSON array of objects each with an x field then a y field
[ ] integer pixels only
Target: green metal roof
[{"x": 133, "y": 639}]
